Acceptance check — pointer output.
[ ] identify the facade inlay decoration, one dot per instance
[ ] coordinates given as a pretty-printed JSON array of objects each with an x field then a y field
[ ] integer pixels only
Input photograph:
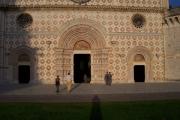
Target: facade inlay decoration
[{"x": 57, "y": 30}]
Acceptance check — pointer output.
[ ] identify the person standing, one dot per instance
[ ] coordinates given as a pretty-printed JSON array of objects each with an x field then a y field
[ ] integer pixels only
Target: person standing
[
  {"x": 106, "y": 78},
  {"x": 85, "y": 78},
  {"x": 110, "y": 78},
  {"x": 57, "y": 82},
  {"x": 68, "y": 82}
]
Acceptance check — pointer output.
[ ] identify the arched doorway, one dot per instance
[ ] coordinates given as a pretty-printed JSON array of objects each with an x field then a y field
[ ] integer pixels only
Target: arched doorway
[
  {"x": 24, "y": 68},
  {"x": 139, "y": 65},
  {"x": 82, "y": 39},
  {"x": 82, "y": 62},
  {"x": 22, "y": 61}
]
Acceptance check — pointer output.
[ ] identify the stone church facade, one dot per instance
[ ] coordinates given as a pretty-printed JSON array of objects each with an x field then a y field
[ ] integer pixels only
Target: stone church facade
[{"x": 40, "y": 39}]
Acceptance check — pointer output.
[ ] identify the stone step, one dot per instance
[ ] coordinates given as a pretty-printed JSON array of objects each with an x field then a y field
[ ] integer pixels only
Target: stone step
[
  {"x": 60, "y": 98},
  {"x": 34, "y": 89},
  {"x": 89, "y": 92}
]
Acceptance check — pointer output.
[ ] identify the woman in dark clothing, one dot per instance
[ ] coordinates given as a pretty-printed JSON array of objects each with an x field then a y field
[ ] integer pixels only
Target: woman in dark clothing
[{"x": 57, "y": 82}]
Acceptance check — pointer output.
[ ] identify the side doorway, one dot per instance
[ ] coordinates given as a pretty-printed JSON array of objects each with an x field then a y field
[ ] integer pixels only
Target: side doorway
[
  {"x": 139, "y": 73},
  {"x": 24, "y": 74},
  {"x": 24, "y": 69},
  {"x": 139, "y": 68}
]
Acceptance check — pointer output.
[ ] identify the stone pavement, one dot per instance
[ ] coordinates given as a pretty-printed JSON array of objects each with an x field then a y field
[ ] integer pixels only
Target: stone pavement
[{"x": 86, "y": 92}]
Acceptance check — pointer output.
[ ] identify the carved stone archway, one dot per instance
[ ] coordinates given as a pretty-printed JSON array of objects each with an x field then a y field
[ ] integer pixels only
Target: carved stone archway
[
  {"x": 82, "y": 45},
  {"x": 139, "y": 56},
  {"x": 22, "y": 55},
  {"x": 82, "y": 37}
]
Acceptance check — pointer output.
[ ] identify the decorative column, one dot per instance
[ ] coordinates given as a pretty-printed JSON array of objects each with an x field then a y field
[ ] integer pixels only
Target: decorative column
[
  {"x": 99, "y": 65},
  {"x": 96, "y": 66},
  {"x": 64, "y": 62},
  {"x": 67, "y": 62},
  {"x": 2, "y": 47},
  {"x": 59, "y": 62}
]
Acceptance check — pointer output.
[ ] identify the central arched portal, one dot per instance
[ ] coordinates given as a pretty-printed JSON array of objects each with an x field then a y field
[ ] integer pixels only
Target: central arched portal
[
  {"x": 82, "y": 52},
  {"x": 82, "y": 62}
]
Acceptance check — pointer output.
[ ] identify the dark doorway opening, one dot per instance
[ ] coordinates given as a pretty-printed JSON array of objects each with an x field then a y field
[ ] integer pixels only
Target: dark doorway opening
[
  {"x": 24, "y": 74},
  {"x": 82, "y": 68},
  {"x": 139, "y": 73}
]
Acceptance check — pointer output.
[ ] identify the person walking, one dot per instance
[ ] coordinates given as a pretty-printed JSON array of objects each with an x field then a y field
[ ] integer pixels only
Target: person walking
[
  {"x": 57, "y": 83},
  {"x": 68, "y": 82}
]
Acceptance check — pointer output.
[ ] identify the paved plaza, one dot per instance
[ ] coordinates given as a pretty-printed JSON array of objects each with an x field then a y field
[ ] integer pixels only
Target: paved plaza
[{"x": 86, "y": 92}]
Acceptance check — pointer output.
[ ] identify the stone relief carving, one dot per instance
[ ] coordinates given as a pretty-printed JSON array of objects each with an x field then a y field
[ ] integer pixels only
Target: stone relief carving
[{"x": 82, "y": 45}]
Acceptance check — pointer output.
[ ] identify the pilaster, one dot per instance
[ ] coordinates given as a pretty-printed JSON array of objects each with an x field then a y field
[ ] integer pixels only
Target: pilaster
[{"x": 2, "y": 47}]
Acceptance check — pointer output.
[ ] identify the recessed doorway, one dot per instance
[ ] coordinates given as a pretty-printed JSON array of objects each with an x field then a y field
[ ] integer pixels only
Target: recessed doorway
[
  {"x": 139, "y": 73},
  {"x": 82, "y": 68},
  {"x": 24, "y": 74}
]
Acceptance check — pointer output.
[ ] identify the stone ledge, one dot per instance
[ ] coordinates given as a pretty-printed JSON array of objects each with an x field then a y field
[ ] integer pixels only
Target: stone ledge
[
  {"x": 2, "y": 67},
  {"x": 57, "y": 33}
]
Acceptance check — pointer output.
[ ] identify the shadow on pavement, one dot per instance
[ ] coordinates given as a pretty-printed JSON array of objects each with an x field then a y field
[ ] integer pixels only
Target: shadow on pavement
[
  {"x": 75, "y": 86},
  {"x": 96, "y": 109},
  {"x": 6, "y": 88}
]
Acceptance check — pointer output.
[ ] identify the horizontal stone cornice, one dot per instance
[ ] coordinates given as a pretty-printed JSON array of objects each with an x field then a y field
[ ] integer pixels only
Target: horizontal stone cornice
[
  {"x": 135, "y": 34},
  {"x": 109, "y": 34},
  {"x": 3, "y": 67},
  {"x": 87, "y": 7}
]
